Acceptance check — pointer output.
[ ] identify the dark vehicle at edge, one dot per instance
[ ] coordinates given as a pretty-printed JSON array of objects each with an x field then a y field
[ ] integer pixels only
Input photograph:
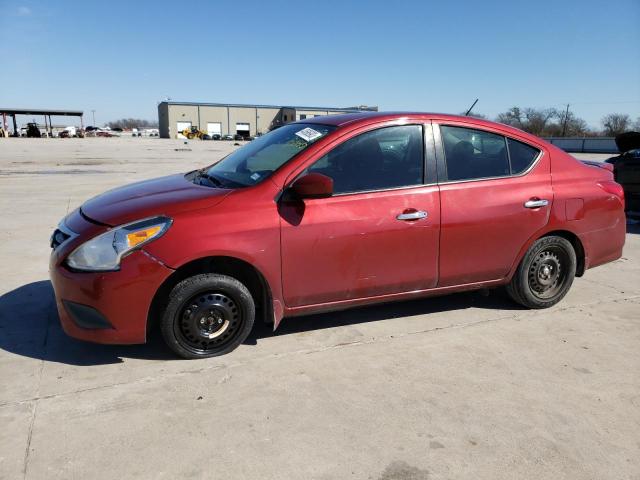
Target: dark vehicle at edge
[{"x": 626, "y": 168}]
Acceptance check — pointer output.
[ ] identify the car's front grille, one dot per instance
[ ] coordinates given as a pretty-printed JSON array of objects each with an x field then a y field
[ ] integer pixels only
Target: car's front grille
[{"x": 58, "y": 238}]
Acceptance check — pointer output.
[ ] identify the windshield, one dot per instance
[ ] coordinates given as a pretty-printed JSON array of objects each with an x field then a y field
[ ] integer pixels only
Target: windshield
[{"x": 257, "y": 160}]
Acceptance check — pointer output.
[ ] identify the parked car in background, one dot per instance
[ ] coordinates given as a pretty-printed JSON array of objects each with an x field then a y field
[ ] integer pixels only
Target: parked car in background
[
  {"x": 227, "y": 137},
  {"x": 71, "y": 131},
  {"x": 626, "y": 169},
  {"x": 330, "y": 213},
  {"x": 238, "y": 137}
]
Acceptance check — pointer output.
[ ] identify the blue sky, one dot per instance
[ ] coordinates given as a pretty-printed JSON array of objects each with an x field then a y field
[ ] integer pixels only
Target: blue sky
[{"x": 121, "y": 57}]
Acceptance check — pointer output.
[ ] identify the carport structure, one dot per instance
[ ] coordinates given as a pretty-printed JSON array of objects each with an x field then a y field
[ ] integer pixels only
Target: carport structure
[{"x": 12, "y": 112}]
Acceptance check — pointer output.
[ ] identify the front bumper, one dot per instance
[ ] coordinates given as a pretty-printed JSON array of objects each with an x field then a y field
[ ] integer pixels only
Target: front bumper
[{"x": 105, "y": 307}]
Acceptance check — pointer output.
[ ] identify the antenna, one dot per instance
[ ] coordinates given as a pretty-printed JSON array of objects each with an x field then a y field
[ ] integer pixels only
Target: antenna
[{"x": 471, "y": 108}]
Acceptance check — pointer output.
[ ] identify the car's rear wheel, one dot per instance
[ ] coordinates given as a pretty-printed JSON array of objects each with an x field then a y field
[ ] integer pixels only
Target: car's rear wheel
[
  {"x": 545, "y": 274},
  {"x": 207, "y": 315}
]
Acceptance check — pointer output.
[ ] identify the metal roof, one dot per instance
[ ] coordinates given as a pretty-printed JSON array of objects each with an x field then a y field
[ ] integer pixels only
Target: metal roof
[
  {"x": 39, "y": 111},
  {"x": 296, "y": 107}
]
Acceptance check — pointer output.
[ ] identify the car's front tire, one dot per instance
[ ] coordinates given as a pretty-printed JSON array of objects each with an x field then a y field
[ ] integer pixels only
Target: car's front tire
[
  {"x": 207, "y": 315},
  {"x": 545, "y": 274}
]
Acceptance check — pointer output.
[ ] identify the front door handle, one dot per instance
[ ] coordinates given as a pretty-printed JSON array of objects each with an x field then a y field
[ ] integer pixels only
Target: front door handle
[
  {"x": 536, "y": 203},
  {"x": 412, "y": 215}
]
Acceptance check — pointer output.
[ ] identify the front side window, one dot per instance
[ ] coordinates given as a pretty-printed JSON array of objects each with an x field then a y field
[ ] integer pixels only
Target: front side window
[
  {"x": 257, "y": 160},
  {"x": 386, "y": 158},
  {"x": 474, "y": 154}
]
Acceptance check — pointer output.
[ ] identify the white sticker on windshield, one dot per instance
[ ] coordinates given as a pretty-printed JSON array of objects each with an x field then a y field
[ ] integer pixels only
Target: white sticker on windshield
[{"x": 308, "y": 134}]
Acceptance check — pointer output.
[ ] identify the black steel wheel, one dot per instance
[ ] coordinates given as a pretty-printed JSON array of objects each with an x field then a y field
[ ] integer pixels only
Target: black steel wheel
[
  {"x": 207, "y": 315},
  {"x": 545, "y": 274}
]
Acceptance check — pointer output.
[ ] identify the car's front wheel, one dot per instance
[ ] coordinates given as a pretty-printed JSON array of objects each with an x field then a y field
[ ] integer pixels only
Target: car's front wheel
[
  {"x": 545, "y": 274},
  {"x": 207, "y": 315}
]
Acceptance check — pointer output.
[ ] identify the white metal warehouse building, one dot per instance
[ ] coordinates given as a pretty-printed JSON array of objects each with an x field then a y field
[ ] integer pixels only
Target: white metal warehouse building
[{"x": 228, "y": 118}]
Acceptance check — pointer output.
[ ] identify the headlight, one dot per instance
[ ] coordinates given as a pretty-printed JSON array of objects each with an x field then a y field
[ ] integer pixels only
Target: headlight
[{"x": 105, "y": 251}]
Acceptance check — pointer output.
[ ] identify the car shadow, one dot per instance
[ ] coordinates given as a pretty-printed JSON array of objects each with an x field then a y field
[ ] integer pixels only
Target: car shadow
[
  {"x": 496, "y": 299},
  {"x": 29, "y": 325}
]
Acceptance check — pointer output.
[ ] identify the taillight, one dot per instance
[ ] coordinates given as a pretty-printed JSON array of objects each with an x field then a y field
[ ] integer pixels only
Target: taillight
[{"x": 613, "y": 188}]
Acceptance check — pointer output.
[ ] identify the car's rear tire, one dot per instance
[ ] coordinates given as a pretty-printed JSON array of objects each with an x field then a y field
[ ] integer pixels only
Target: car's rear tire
[
  {"x": 207, "y": 315},
  {"x": 545, "y": 274}
]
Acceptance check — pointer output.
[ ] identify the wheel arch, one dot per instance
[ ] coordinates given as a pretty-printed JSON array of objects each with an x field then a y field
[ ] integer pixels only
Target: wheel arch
[
  {"x": 578, "y": 247},
  {"x": 574, "y": 239},
  {"x": 237, "y": 268}
]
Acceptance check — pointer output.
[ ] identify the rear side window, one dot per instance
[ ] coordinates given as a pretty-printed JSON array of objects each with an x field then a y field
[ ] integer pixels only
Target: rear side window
[
  {"x": 522, "y": 155},
  {"x": 380, "y": 159},
  {"x": 474, "y": 154}
]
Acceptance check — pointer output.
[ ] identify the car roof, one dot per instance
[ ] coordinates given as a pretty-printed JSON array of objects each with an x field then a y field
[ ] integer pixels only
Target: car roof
[{"x": 370, "y": 117}]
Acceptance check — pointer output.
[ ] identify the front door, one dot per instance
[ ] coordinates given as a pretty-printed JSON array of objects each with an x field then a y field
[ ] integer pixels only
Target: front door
[
  {"x": 378, "y": 234},
  {"x": 495, "y": 194}
]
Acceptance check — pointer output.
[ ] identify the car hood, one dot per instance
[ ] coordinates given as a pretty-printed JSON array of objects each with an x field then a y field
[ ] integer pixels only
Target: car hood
[
  {"x": 628, "y": 141},
  {"x": 159, "y": 196}
]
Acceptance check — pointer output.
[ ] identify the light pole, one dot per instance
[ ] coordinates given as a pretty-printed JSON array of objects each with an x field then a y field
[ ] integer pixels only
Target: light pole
[{"x": 93, "y": 114}]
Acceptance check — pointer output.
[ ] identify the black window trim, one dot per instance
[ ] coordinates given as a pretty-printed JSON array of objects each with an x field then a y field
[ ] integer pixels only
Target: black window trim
[
  {"x": 428, "y": 160},
  {"x": 441, "y": 163}
]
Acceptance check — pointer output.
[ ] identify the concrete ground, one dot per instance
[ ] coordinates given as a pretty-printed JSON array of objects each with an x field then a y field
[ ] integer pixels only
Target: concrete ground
[{"x": 457, "y": 387}]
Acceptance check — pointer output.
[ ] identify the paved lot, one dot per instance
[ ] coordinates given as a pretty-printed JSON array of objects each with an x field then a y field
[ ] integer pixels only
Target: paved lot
[{"x": 464, "y": 386}]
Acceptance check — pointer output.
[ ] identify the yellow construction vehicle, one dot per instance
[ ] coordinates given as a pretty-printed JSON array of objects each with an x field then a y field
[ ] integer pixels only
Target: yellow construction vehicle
[{"x": 193, "y": 132}]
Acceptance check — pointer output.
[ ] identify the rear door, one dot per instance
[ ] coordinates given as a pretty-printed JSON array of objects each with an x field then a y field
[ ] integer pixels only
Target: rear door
[
  {"x": 378, "y": 234},
  {"x": 495, "y": 193}
]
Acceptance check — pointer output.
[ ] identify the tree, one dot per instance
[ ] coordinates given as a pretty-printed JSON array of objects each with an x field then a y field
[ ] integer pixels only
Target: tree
[
  {"x": 473, "y": 115},
  {"x": 129, "y": 123},
  {"x": 574, "y": 127},
  {"x": 615, "y": 124},
  {"x": 636, "y": 125},
  {"x": 545, "y": 122},
  {"x": 532, "y": 120}
]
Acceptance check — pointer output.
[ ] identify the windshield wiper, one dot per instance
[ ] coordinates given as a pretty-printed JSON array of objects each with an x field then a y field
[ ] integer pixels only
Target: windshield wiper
[{"x": 213, "y": 180}]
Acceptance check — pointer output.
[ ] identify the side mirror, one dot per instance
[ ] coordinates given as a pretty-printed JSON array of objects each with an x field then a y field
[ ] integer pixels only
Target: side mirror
[{"x": 313, "y": 185}]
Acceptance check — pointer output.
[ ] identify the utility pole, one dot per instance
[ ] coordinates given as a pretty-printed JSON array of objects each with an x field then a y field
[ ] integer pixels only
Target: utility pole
[
  {"x": 93, "y": 114},
  {"x": 564, "y": 124}
]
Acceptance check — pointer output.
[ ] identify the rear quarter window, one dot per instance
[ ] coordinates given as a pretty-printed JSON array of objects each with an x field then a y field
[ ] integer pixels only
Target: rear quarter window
[{"x": 521, "y": 155}]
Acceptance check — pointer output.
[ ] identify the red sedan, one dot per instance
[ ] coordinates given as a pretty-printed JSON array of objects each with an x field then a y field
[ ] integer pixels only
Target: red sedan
[{"x": 330, "y": 213}]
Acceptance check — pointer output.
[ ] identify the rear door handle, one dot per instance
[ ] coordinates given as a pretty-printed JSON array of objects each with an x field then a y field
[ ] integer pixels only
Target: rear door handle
[
  {"x": 536, "y": 203},
  {"x": 416, "y": 215}
]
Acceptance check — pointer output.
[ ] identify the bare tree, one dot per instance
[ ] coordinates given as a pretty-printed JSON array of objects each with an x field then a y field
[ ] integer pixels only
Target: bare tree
[
  {"x": 532, "y": 120},
  {"x": 513, "y": 117},
  {"x": 568, "y": 125},
  {"x": 636, "y": 125},
  {"x": 615, "y": 124},
  {"x": 474, "y": 115},
  {"x": 132, "y": 123}
]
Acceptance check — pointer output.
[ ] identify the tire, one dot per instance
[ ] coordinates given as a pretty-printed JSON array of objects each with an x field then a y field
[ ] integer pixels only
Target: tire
[
  {"x": 207, "y": 315},
  {"x": 545, "y": 274}
]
